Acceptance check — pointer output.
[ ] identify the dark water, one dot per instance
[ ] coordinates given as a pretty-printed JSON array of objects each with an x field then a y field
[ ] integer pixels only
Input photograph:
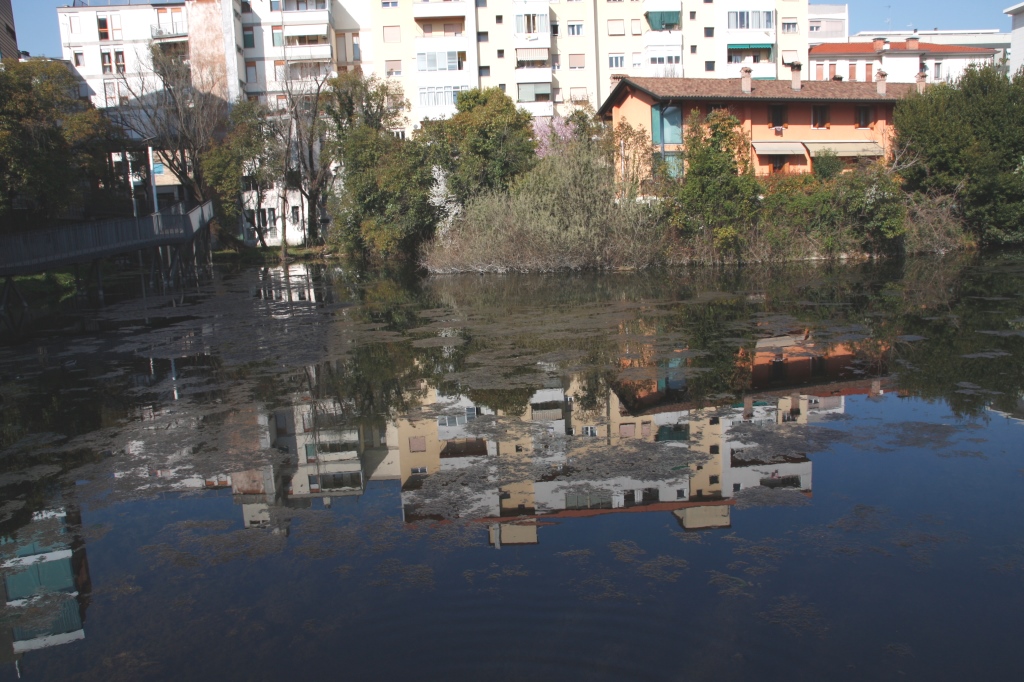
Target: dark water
[{"x": 798, "y": 474}]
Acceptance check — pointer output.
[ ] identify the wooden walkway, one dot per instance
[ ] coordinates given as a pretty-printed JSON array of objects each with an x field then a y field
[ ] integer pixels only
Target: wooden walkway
[{"x": 24, "y": 253}]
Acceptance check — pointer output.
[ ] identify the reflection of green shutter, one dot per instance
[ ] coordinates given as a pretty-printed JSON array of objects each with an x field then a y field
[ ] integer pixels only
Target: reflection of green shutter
[
  {"x": 659, "y": 20},
  {"x": 656, "y": 124},
  {"x": 310, "y": 451}
]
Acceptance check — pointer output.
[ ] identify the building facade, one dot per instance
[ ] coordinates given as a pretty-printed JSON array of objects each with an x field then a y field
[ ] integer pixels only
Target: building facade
[
  {"x": 990, "y": 38},
  {"x": 902, "y": 61},
  {"x": 787, "y": 122},
  {"x": 828, "y": 23},
  {"x": 8, "y": 36}
]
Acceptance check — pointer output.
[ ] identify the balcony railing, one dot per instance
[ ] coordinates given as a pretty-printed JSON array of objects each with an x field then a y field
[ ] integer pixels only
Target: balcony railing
[
  {"x": 176, "y": 30},
  {"x": 436, "y": 9}
]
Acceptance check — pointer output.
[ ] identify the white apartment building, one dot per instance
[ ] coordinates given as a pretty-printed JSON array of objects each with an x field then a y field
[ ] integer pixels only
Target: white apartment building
[
  {"x": 1016, "y": 56},
  {"x": 990, "y": 38},
  {"x": 828, "y": 24},
  {"x": 901, "y": 61},
  {"x": 8, "y": 36}
]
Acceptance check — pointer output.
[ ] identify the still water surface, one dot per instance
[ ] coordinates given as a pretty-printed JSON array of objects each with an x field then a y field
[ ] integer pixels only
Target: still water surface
[{"x": 798, "y": 474}]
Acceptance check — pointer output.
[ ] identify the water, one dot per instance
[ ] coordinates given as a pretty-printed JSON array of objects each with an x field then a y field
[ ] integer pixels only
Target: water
[{"x": 804, "y": 473}]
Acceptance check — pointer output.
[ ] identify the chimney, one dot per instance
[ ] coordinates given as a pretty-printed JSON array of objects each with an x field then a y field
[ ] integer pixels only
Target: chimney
[
  {"x": 745, "y": 83},
  {"x": 794, "y": 68},
  {"x": 877, "y": 44},
  {"x": 920, "y": 80},
  {"x": 913, "y": 42},
  {"x": 880, "y": 81}
]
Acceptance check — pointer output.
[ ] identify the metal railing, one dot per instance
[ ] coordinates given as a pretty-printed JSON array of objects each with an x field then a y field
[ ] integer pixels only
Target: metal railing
[{"x": 31, "y": 251}]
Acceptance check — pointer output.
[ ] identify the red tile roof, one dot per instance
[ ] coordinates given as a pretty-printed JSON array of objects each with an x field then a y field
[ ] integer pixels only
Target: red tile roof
[
  {"x": 869, "y": 48},
  {"x": 730, "y": 89}
]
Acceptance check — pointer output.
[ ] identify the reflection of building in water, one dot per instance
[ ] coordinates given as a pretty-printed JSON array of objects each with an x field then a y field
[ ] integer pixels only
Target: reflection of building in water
[
  {"x": 49, "y": 562},
  {"x": 324, "y": 456},
  {"x": 798, "y": 359}
]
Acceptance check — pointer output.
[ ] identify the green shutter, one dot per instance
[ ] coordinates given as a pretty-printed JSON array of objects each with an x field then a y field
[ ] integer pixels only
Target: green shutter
[
  {"x": 659, "y": 20},
  {"x": 656, "y": 124}
]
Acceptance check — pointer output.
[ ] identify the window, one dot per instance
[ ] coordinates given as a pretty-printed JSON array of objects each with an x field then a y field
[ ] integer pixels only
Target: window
[
  {"x": 693, "y": 49},
  {"x": 250, "y": 72},
  {"x": 709, "y": 66},
  {"x": 777, "y": 116},
  {"x": 575, "y": 28},
  {"x": 501, "y": 86},
  {"x": 246, "y": 7},
  {"x": 115, "y": 27},
  {"x": 590, "y": 431},
  {"x": 277, "y": 35},
  {"x": 248, "y": 37},
  {"x": 158, "y": 168},
  {"x": 531, "y": 23},
  {"x": 119, "y": 61},
  {"x": 279, "y": 71},
  {"x": 616, "y": 61},
  {"x": 485, "y": 71},
  {"x": 638, "y": 59},
  {"x": 709, "y": 31},
  {"x": 393, "y": 67},
  {"x": 714, "y": 450},
  {"x": 482, "y": 37},
  {"x": 105, "y": 61},
  {"x": 79, "y": 59},
  {"x": 295, "y": 214},
  {"x": 666, "y": 125},
  {"x": 556, "y": 61},
  {"x": 499, "y": 19},
  {"x": 76, "y": 25},
  {"x": 103, "y": 26},
  {"x": 693, "y": 16},
  {"x": 937, "y": 74},
  {"x": 554, "y": 28},
  {"x": 819, "y": 117},
  {"x": 440, "y": 61},
  {"x": 578, "y": 94},
  {"x": 501, "y": 54},
  {"x": 750, "y": 20},
  {"x": 865, "y": 117},
  {"x": 789, "y": 26},
  {"x": 389, "y": 3},
  {"x": 577, "y": 61},
  {"x": 713, "y": 480},
  {"x": 392, "y": 34},
  {"x": 342, "y": 52},
  {"x": 453, "y": 30},
  {"x": 356, "y": 54},
  {"x": 635, "y": 27},
  {"x": 275, "y": 5},
  {"x": 616, "y": 27},
  {"x": 481, "y": 3},
  {"x": 534, "y": 92},
  {"x": 428, "y": 29}
]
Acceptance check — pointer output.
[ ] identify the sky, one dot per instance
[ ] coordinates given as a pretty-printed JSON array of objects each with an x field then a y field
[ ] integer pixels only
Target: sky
[{"x": 36, "y": 20}]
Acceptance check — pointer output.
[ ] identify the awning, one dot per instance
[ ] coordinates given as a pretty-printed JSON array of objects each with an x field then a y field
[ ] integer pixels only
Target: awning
[
  {"x": 847, "y": 148},
  {"x": 789, "y": 56},
  {"x": 781, "y": 148},
  {"x": 750, "y": 46},
  {"x": 659, "y": 20},
  {"x": 532, "y": 54}
]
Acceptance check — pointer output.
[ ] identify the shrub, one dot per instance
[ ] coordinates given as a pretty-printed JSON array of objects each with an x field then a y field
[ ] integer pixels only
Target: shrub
[{"x": 827, "y": 164}]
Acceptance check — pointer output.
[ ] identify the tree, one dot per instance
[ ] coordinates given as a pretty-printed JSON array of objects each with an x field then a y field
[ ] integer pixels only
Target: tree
[
  {"x": 243, "y": 167},
  {"x": 180, "y": 110},
  {"x": 827, "y": 164},
  {"x": 719, "y": 191},
  {"x": 486, "y": 144},
  {"x": 967, "y": 140},
  {"x": 52, "y": 144}
]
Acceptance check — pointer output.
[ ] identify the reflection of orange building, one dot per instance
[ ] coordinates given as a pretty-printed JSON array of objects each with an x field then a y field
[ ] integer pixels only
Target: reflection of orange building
[{"x": 796, "y": 360}]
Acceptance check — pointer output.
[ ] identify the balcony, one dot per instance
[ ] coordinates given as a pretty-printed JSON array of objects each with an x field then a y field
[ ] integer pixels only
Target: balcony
[
  {"x": 177, "y": 30},
  {"x": 540, "y": 40},
  {"x": 538, "y": 109},
  {"x": 307, "y": 53},
  {"x": 443, "y": 44},
  {"x": 438, "y": 8},
  {"x": 533, "y": 75},
  {"x": 306, "y": 17},
  {"x": 662, "y": 6}
]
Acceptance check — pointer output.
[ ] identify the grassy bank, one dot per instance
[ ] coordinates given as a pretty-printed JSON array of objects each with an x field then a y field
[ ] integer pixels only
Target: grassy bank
[{"x": 270, "y": 255}]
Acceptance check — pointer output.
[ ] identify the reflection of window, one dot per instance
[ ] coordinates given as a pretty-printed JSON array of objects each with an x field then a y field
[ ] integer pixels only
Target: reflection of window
[
  {"x": 714, "y": 451},
  {"x": 418, "y": 444},
  {"x": 681, "y": 494},
  {"x": 418, "y": 470},
  {"x": 713, "y": 480},
  {"x": 590, "y": 431}
]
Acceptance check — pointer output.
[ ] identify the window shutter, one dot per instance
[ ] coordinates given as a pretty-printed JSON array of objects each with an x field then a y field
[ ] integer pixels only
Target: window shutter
[
  {"x": 392, "y": 34},
  {"x": 616, "y": 27},
  {"x": 520, "y": 26},
  {"x": 577, "y": 61},
  {"x": 656, "y": 124}
]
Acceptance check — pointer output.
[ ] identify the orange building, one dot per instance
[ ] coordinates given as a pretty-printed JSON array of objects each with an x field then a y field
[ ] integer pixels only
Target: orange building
[{"x": 787, "y": 122}]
